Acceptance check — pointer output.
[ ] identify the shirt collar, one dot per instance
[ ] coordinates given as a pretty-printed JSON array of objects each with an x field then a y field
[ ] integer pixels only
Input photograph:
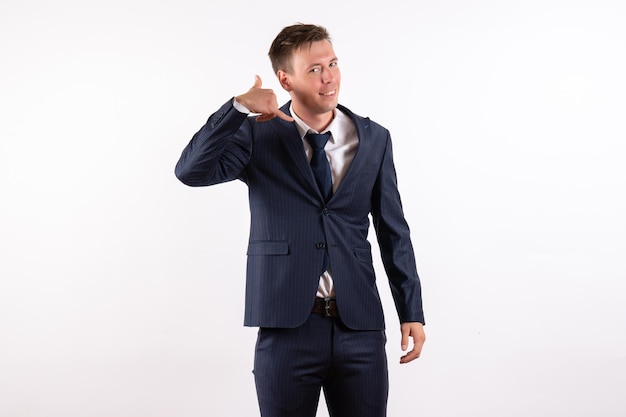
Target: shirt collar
[{"x": 303, "y": 128}]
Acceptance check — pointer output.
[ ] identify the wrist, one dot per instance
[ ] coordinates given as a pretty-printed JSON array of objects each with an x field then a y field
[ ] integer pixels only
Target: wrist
[{"x": 239, "y": 106}]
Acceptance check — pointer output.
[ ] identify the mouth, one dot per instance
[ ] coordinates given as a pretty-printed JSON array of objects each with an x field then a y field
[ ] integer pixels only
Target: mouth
[{"x": 329, "y": 93}]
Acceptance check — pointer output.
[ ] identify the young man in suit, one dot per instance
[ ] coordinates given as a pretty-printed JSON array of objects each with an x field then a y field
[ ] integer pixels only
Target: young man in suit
[{"x": 315, "y": 172}]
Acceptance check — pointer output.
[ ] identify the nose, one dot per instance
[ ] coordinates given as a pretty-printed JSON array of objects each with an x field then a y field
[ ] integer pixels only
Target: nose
[{"x": 327, "y": 75}]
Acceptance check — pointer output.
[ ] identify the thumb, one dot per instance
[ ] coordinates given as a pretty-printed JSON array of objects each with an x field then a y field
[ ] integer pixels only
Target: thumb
[
  {"x": 405, "y": 338},
  {"x": 257, "y": 82}
]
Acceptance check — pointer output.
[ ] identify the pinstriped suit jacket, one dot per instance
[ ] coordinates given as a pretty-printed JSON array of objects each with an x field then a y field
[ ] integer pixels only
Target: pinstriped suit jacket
[{"x": 291, "y": 224}]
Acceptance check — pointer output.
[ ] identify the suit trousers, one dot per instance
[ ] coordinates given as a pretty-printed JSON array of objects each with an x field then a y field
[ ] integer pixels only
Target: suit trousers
[{"x": 291, "y": 366}]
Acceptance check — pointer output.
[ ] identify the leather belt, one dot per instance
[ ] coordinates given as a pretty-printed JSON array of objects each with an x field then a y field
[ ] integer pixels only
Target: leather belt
[{"x": 327, "y": 307}]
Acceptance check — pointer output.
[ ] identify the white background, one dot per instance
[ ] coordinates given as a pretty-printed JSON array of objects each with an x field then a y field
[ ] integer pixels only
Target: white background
[{"x": 121, "y": 290}]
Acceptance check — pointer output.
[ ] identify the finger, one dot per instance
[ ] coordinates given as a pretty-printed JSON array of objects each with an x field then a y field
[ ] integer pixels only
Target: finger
[
  {"x": 265, "y": 117},
  {"x": 404, "y": 344},
  {"x": 269, "y": 116},
  {"x": 285, "y": 117},
  {"x": 418, "y": 344},
  {"x": 412, "y": 355},
  {"x": 257, "y": 82}
]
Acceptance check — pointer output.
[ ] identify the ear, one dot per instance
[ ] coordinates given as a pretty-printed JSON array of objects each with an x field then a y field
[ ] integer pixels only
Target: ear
[{"x": 283, "y": 79}]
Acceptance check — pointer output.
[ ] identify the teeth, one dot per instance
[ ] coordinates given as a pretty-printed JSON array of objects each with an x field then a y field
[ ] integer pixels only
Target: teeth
[{"x": 330, "y": 93}]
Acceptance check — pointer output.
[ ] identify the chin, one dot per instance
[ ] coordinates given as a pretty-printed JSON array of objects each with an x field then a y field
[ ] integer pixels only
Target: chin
[{"x": 329, "y": 106}]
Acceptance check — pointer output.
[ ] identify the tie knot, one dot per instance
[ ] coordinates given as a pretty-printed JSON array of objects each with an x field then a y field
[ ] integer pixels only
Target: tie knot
[{"x": 317, "y": 141}]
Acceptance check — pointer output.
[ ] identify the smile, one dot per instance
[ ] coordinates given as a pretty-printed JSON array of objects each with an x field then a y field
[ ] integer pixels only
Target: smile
[{"x": 329, "y": 93}]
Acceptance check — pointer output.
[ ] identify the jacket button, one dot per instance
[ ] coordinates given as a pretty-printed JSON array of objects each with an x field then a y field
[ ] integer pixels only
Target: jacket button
[
  {"x": 320, "y": 245},
  {"x": 325, "y": 211}
]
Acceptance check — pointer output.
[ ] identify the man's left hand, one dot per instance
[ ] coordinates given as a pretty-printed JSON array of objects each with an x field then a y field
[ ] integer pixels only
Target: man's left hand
[{"x": 414, "y": 330}]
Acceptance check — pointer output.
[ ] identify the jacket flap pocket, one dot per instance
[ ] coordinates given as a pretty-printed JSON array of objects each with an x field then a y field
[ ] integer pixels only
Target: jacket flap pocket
[
  {"x": 268, "y": 247},
  {"x": 363, "y": 254}
]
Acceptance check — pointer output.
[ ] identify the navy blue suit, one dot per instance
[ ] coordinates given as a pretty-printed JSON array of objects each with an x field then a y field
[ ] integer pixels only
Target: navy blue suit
[
  {"x": 291, "y": 227},
  {"x": 291, "y": 223}
]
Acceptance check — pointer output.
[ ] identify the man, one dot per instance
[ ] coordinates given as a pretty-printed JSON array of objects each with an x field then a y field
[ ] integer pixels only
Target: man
[{"x": 315, "y": 172}]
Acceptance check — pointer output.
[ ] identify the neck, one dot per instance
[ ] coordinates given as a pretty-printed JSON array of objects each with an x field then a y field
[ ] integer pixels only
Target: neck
[{"x": 318, "y": 122}]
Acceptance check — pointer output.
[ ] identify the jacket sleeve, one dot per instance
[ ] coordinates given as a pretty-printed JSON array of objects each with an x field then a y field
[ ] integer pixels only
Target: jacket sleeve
[
  {"x": 394, "y": 240},
  {"x": 219, "y": 151}
]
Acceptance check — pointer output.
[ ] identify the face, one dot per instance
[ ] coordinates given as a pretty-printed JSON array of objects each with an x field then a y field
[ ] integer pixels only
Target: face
[{"x": 313, "y": 81}]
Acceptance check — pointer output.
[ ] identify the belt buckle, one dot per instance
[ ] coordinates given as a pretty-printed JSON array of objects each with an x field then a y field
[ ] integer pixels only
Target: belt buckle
[{"x": 327, "y": 301}]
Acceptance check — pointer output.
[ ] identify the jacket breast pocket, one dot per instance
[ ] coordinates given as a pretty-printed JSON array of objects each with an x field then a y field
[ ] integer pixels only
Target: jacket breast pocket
[{"x": 268, "y": 247}]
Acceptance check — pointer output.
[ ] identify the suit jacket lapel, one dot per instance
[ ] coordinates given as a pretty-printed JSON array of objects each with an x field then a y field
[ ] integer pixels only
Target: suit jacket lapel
[
  {"x": 365, "y": 145},
  {"x": 289, "y": 136}
]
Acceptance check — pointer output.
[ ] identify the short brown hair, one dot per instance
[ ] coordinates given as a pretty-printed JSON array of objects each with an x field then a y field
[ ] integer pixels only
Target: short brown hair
[{"x": 290, "y": 39}]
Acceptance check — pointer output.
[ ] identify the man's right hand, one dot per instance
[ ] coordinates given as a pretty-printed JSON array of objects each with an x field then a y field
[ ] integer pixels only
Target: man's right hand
[{"x": 262, "y": 101}]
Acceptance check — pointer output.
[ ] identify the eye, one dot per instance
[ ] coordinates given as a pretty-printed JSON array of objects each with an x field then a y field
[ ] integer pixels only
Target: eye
[
  {"x": 334, "y": 64},
  {"x": 314, "y": 70}
]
